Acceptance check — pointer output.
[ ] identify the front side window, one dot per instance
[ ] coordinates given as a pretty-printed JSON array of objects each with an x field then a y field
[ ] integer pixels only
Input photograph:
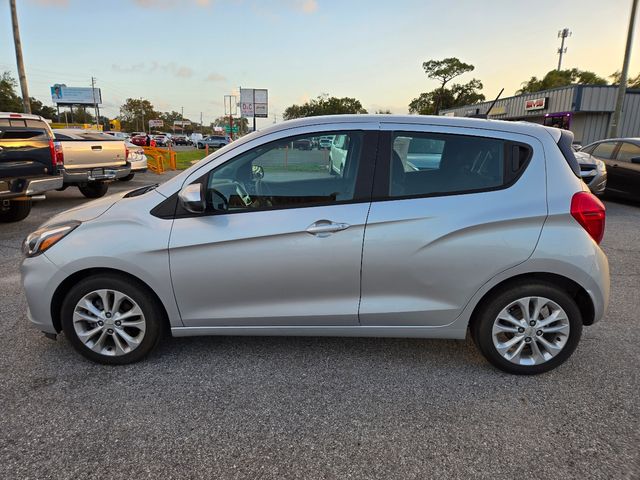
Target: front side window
[
  {"x": 293, "y": 172},
  {"x": 605, "y": 150},
  {"x": 628, "y": 151},
  {"x": 431, "y": 164}
]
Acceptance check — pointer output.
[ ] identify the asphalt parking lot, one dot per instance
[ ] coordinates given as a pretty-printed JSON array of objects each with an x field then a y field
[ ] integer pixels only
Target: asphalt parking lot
[{"x": 234, "y": 407}]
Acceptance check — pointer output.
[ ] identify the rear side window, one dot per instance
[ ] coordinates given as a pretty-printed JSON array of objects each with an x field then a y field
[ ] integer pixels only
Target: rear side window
[
  {"x": 425, "y": 164},
  {"x": 20, "y": 129},
  {"x": 628, "y": 151},
  {"x": 565, "y": 144},
  {"x": 22, "y": 133}
]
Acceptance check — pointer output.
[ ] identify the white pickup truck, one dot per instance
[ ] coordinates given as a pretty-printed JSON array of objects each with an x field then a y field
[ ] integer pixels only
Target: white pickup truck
[{"x": 91, "y": 160}]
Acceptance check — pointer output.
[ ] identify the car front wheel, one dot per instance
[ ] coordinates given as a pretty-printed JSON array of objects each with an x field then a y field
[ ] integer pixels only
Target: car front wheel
[
  {"x": 527, "y": 329},
  {"x": 111, "y": 319}
]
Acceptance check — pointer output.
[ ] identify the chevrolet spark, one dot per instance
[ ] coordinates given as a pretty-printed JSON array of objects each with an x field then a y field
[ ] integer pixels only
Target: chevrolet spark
[{"x": 433, "y": 227}]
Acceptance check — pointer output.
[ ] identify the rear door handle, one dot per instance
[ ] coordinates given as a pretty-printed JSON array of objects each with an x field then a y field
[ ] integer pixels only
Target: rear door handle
[
  {"x": 96, "y": 147},
  {"x": 324, "y": 228}
]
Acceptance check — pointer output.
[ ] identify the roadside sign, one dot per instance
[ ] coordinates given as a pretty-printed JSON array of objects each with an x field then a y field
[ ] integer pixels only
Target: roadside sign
[
  {"x": 229, "y": 130},
  {"x": 156, "y": 123},
  {"x": 254, "y": 102}
]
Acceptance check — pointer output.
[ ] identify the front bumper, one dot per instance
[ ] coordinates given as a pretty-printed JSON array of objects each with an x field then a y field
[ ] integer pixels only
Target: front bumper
[
  {"x": 98, "y": 174},
  {"x": 27, "y": 187},
  {"x": 40, "y": 277}
]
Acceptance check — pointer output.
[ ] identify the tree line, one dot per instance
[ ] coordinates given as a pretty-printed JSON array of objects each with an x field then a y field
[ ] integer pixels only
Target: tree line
[{"x": 447, "y": 95}]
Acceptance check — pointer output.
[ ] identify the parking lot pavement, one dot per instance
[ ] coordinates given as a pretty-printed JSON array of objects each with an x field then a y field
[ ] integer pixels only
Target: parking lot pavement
[{"x": 319, "y": 407}]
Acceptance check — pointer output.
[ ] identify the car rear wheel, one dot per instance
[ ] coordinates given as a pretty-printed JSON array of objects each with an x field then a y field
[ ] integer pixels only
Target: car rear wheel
[
  {"x": 112, "y": 320},
  {"x": 94, "y": 189},
  {"x": 14, "y": 210},
  {"x": 528, "y": 329}
]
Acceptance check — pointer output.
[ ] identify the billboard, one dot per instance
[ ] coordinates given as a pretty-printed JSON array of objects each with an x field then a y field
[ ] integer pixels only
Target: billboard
[
  {"x": 182, "y": 123},
  {"x": 63, "y": 95},
  {"x": 254, "y": 102},
  {"x": 156, "y": 123}
]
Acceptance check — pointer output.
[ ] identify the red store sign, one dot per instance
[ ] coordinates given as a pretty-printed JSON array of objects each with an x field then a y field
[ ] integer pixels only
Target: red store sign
[{"x": 536, "y": 104}]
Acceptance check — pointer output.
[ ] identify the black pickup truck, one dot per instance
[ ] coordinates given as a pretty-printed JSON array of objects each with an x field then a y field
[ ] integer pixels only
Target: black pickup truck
[{"x": 30, "y": 163}]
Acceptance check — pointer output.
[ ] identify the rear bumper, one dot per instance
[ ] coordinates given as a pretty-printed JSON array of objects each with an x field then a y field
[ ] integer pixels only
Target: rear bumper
[
  {"x": 84, "y": 175},
  {"x": 27, "y": 187}
]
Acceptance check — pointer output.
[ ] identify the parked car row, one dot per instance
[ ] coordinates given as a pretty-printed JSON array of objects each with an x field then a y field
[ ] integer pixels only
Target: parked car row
[
  {"x": 35, "y": 159},
  {"x": 612, "y": 166}
]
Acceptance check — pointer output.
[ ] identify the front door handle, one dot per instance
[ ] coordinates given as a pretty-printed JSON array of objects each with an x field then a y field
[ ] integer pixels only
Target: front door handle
[{"x": 324, "y": 228}]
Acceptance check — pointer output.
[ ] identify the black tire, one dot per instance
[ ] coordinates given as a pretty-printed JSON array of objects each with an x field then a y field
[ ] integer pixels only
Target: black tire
[
  {"x": 200, "y": 146},
  {"x": 153, "y": 313},
  {"x": 488, "y": 310},
  {"x": 16, "y": 210},
  {"x": 94, "y": 189},
  {"x": 127, "y": 178}
]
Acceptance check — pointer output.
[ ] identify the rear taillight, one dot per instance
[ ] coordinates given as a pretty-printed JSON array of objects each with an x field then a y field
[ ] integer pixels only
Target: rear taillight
[
  {"x": 590, "y": 213},
  {"x": 57, "y": 157},
  {"x": 126, "y": 153}
]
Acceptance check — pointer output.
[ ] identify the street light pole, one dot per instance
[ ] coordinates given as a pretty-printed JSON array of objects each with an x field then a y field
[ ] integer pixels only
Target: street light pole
[
  {"x": 564, "y": 33},
  {"x": 19, "y": 60},
  {"x": 622, "y": 88}
]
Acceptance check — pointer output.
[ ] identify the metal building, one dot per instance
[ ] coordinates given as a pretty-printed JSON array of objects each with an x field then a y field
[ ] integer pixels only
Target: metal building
[{"x": 584, "y": 109}]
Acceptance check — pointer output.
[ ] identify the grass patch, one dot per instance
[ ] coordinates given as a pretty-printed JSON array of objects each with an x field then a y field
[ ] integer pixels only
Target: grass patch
[{"x": 184, "y": 158}]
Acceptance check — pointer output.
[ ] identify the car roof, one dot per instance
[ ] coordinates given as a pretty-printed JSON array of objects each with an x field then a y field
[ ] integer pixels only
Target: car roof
[
  {"x": 526, "y": 128},
  {"x": 634, "y": 140},
  {"x": 23, "y": 116}
]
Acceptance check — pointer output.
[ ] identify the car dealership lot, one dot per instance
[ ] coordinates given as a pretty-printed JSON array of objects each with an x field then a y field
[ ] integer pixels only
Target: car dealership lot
[{"x": 318, "y": 407}]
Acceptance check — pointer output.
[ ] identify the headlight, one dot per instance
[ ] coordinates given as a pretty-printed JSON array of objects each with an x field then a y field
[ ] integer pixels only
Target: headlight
[
  {"x": 601, "y": 166},
  {"x": 46, "y": 237}
]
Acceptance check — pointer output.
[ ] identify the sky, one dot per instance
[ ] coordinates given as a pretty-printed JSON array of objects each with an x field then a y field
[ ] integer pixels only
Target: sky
[{"x": 190, "y": 53}]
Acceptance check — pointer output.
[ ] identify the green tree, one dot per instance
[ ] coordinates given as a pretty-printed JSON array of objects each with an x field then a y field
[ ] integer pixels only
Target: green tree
[
  {"x": 457, "y": 95},
  {"x": 561, "y": 78},
  {"x": 324, "y": 105},
  {"x": 444, "y": 71},
  {"x": 384, "y": 111},
  {"x": 632, "y": 82},
  {"x": 38, "y": 108},
  {"x": 9, "y": 99},
  {"x": 132, "y": 113}
]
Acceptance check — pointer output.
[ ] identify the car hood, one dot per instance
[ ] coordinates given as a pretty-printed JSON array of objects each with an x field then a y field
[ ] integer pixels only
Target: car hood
[
  {"x": 586, "y": 159},
  {"x": 87, "y": 211}
]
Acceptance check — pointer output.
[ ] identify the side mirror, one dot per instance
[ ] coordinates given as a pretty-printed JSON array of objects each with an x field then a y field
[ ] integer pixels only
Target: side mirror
[
  {"x": 192, "y": 198},
  {"x": 635, "y": 160},
  {"x": 257, "y": 172}
]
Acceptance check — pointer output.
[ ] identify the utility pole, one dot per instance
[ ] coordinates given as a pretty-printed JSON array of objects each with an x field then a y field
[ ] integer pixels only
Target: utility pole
[
  {"x": 182, "y": 120},
  {"x": 95, "y": 103},
  {"x": 144, "y": 129},
  {"x": 564, "y": 33},
  {"x": 19, "y": 60},
  {"x": 201, "y": 126},
  {"x": 622, "y": 88}
]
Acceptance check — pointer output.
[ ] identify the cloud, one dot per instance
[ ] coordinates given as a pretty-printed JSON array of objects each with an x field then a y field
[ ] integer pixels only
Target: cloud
[
  {"x": 183, "y": 72},
  {"x": 179, "y": 71},
  {"x": 215, "y": 77},
  {"x": 51, "y": 3},
  {"x": 306, "y": 6},
  {"x": 138, "y": 67},
  {"x": 172, "y": 3}
]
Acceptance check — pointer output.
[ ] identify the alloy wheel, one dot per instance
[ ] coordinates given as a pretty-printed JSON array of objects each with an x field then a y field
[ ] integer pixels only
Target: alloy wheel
[
  {"x": 530, "y": 331},
  {"x": 109, "y": 322}
]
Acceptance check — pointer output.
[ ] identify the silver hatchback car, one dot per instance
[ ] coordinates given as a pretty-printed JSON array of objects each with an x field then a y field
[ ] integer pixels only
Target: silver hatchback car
[{"x": 495, "y": 234}]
